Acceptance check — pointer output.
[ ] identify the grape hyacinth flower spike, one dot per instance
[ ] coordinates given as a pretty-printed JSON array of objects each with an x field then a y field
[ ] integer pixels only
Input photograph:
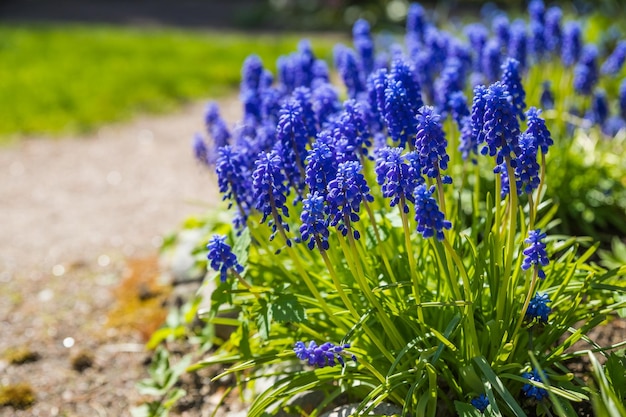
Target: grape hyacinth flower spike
[
  {"x": 532, "y": 391},
  {"x": 538, "y": 308},
  {"x": 430, "y": 221},
  {"x": 314, "y": 219},
  {"x": 327, "y": 354},
  {"x": 536, "y": 253},
  {"x": 480, "y": 403},
  {"x": 430, "y": 144},
  {"x": 221, "y": 258}
]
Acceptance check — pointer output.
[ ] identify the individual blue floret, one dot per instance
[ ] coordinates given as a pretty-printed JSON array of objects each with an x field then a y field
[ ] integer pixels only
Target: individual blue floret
[
  {"x": 328, "y": 354},
  {"x": 532, "y": 391},
  {"x": 535, "y": 254},
  {"x": 221, "y": 258},
  {"x": 430, "y": 220},
  {"x": 538, "y": 308}
]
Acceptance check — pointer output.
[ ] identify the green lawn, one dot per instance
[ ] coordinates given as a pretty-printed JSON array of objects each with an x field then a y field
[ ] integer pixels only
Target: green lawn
[{"x": 58, "y": 79}]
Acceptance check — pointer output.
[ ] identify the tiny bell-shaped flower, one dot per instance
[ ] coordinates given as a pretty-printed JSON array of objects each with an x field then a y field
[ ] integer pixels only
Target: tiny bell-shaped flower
[{"x": 221, "y": 258}]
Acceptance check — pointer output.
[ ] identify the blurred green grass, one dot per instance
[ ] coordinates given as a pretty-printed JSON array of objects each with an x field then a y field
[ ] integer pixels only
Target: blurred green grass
[{"x": 60, "y": 79}]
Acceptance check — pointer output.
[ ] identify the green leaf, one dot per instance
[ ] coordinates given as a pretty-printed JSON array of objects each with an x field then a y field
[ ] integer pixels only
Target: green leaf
[
  {"x": 616, "y": 372},
  {"x": 242, "y": 246},
  {"x": 264, "y": 319},
  {"x": 286, "y": 308},
  {"x": 466, "y": 410},
  {"x": 499, "y": 386}
]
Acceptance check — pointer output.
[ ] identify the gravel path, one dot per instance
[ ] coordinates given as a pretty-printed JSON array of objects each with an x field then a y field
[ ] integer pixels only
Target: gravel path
[{"x": 71, "y": 211}]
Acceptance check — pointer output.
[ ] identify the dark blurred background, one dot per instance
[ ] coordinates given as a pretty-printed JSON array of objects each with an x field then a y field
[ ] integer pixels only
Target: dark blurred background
[{"x": 262, "y": 14}]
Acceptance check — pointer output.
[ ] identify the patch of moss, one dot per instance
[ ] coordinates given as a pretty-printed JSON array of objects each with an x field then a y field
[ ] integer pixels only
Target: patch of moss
[
  {"x": 20, "y": 355},
  {"x": 20, "y": 396}
]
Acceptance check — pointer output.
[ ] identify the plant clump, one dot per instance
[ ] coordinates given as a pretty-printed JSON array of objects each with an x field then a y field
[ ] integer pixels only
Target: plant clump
[{"x": 20, "y": 396}]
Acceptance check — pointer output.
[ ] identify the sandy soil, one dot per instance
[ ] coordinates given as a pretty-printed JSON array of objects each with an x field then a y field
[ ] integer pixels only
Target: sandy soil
[{"x": 71, "y": 212}]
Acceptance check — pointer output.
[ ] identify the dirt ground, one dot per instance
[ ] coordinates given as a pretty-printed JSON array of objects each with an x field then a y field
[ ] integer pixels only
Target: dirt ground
[{"x": 73, "y": 211}]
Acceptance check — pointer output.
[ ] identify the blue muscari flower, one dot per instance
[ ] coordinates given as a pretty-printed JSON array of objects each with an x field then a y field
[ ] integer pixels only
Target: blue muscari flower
[
  {"x": 325, "y": 102},
  {"x": 216, "y": 126},
  {"x": 200, "y": 149},
  {"x": 457, "y": 103},
  {"x": 537, "y": 40},
  {"x": 477, "y": 34},
  {"x": 537, "y": 11},
  {"x": 451, "y": 80},
  {"x": 502, "y": 29},
  {"x": 532, "y": 391},
  {"x": 480, "y": 403},
  {"x": 472, "y": 133},
  {"x": 430, "y": 144},
  {"x": 302, "y": 95},
  {"x": 416, "y": 21},
  {"x": 572, "y": 43},
  {"x": 293, "y": 135},
  {"x": 613, "y": 125},
  {"x": 518, "y": 44},
  {"x": 538, "y": 130},
  {"x": 376, "y": 86},
  {"x": 424, "y": 73},
  {"x": 501, "y": 126},
  {"x": 586, "y": 71},
  {"x": 347, "y": 65},
  {"x": 491, "y": 60},
  {"x": 352, "y": 126},
  {"x": 270, "y": 191},
  {"x": 552, "y": 31},
  {"x": 535, "y": 253},
  {"x": 512, "y": 80},
  {"x": 364, "y": 45},
  {"x": 296, "y": 69},
  {"x": 399, "y": 113},
  {"x": 401, "y": 72},
  {"x": 527, "y": 167},
  {"x": 547, "y": 96},
  {"x": 622, "y": 98},
  {"x": 233, "y": 178},
  {"x": 538, "y": 308},
  {"x": 251, "y": 73},
  {"x": 436, "y": 42},
  {"x": 346, "y": 192},
  {"x": 328, "y": 354},
  {"x": 430, "y": 221},
  {"x": 221, "y": 258},
  {"x": 321, "y": 163},
  {"x": 314, "y": 218},
  {"x": 599, "y": 108},
  {"x": 320, "y": 73},
  {"x": 615, "y": 61},
  {"x": 396, "y": 177}
]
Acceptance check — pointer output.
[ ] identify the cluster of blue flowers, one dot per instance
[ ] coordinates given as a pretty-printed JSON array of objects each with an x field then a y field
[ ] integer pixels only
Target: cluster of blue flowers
[
  {"x": 530, "y": 390},
  {"x": 299, "y": 147},
  {"x": 326, "y": 354}
]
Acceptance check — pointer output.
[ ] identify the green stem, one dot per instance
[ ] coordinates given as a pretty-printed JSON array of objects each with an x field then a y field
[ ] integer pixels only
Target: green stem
[
  {"x": 381, "y": 248},
  {"x": 409, "y": 253},
  {"x": 333, "y": 274},
  {"x": 503, "y": 293}
]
